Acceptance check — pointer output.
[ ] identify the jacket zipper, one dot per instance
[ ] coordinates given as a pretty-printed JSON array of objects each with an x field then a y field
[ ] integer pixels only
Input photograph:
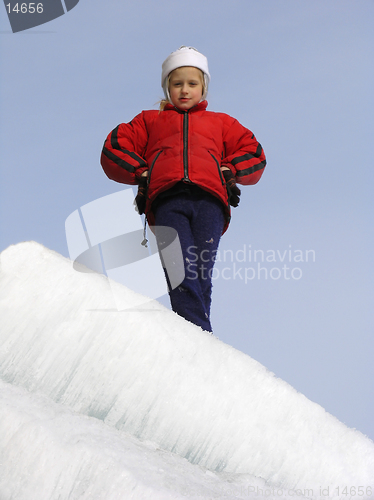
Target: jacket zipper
[
  {"x": 218, "y": 167},
  {"x": 221, "y": 176},
  {"x": 152, "y": 165},
  {"x": 185, "y": 147}
]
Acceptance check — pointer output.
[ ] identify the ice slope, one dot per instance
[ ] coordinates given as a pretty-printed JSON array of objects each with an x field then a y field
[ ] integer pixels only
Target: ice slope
[
  {"x": 48, "y": 452},
  {"x": 147, "y": 372}
]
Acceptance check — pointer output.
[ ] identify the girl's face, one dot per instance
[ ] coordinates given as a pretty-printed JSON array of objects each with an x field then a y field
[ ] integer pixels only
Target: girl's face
[{"x": 185, "y": 87}]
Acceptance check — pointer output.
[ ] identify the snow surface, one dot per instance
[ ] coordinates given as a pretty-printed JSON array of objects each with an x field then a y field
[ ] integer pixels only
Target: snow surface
[
  {"x": 50, "y": 452},
  {"x": 138, "y": 403}
]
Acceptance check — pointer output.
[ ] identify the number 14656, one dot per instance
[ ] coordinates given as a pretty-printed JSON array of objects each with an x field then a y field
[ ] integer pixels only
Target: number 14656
[{"x": 26, "y": 8}]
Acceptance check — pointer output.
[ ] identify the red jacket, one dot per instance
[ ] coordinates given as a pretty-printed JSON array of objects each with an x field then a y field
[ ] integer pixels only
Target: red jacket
[{"x": 175, "y": 145}]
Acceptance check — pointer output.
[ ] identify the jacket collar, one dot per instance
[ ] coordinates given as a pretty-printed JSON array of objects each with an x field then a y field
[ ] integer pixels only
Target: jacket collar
[{"x": 199, "y": 107}]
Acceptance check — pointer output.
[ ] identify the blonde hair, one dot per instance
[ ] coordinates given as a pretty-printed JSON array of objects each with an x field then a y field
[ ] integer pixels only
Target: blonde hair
[{"x": 163, "y": 102}]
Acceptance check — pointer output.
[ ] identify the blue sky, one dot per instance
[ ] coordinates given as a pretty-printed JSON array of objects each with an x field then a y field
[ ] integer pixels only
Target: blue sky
[{"x": 300, "y": 76}]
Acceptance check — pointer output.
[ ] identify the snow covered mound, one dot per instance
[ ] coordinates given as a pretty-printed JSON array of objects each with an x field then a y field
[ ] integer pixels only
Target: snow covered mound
[
  {"x": 149, "y": 373},
  {"x": 48, "y": 452}
]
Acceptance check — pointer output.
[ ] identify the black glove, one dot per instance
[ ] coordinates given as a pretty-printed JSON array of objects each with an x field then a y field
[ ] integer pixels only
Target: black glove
[
  {"x": 232, "y": 189},
  {"x": 141, "y": 197}
]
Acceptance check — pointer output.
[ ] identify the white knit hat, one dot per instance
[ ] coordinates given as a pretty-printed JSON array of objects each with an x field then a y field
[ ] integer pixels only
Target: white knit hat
[{"x": 184, "y": 56}]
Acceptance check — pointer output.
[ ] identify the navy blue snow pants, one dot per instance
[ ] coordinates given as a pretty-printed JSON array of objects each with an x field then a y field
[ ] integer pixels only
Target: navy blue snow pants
[{"x": 198, "y": 217}]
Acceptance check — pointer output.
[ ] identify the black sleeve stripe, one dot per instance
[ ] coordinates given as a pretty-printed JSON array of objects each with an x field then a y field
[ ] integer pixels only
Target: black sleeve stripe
[
  {"x": 118, "y": 161},
  {"x": 114, "y": 138},
  {"x": 251, "y": 170},
  {"x": 115, "y": 145},
  {"x": 258, "y": 151},
  {"x": 239, "y": 159},
  {"x": 248, "y": 156}
]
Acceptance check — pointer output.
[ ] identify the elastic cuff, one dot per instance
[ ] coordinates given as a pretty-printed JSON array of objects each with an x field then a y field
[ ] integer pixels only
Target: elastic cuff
[
  {"x": 139, "y": 172},
  {"x": 230, "y": 167}
]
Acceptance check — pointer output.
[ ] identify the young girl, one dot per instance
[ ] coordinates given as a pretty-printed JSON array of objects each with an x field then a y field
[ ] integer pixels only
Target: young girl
[{"x": 187, "y": 162}]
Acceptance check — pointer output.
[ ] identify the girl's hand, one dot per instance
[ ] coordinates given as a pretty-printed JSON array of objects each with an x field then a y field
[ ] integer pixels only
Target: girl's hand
[
  {"x": 141, "y": 197},
  {"x": 232, "y": 189}
]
